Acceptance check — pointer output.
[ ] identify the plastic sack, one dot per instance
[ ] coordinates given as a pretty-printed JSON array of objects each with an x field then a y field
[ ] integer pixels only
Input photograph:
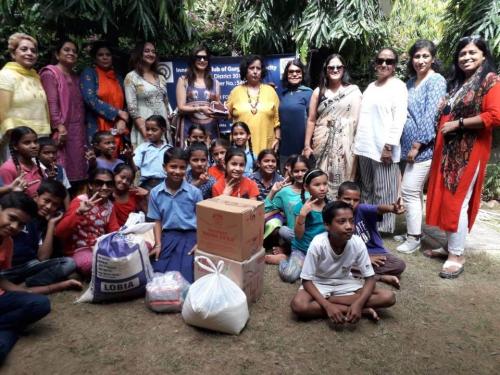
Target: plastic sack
[
  {"x": 215, "y": 302},
  {"x": 120, "y": 266},
  {"x": 166, "y": 292}
]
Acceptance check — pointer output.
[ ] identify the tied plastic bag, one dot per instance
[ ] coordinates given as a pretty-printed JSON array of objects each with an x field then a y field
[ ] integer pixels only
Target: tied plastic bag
[
  {"x": 120, "y": 265},
  {"x": 166, "y": 292},
  {"x": 215, "y": 302}
]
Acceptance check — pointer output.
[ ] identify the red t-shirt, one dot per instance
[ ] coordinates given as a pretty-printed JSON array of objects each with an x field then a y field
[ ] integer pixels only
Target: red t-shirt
[
  {"x": 6, "y": 249},
  {"x": 216, "y": 172},
  {"x": 245, "y": 189},
  {"x": 123, "y": 209}
]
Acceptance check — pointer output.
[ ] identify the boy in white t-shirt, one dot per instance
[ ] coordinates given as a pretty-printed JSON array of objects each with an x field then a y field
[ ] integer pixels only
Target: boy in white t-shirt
[{"x": 328, "y": 287}]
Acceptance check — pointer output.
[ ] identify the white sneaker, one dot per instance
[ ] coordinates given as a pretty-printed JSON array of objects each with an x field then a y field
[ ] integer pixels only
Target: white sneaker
[
  {"x": 409, "y": 246},
  {"x": 400, "y": 237}
]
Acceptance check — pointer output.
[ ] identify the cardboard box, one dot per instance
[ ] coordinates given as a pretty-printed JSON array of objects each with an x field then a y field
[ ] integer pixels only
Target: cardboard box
[
  {"x": 230, "y": 227},
  {"x": 249, "y": 274}
]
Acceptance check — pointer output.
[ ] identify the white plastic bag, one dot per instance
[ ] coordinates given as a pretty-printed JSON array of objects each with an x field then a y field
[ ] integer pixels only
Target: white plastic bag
[
  {"x": 166, "y": 292},
  {"x": 215, "y": 302}
]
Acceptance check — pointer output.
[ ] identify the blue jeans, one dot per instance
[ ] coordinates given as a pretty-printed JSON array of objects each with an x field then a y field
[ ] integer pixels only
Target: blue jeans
[
  {"x": 40, "y": 273},
  {"x": 17, "y": 311}
]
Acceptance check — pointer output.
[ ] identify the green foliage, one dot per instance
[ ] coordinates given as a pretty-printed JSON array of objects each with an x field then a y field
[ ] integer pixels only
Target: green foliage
[
  {"x": 465, "y": 17},
  {"x": 491, "y": 189}
]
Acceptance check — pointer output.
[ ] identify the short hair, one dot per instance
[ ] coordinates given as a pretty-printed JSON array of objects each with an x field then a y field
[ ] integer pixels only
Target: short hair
[
  {"x": 264, "y": 153},
  {"x": 330, "y": 210},
  {"x": 96, "y": 46},
  {"x": 175, "y": 153},
  {"x": 46, "y": 141},
  {"x": 98, "y": 136},
  {"x": 235, "y": 151},
  {"x": 16, "y": 38},
  {"x": 418, "y": 45},
  {"x": 396, "y": 57},
  {"x": 20, "y": 201},
  {"x": 53, "y": 187},
  {"x": 347, "y": 185},
  {"x": 298, "y": 63},
  {"x": 249, "y": 60}
]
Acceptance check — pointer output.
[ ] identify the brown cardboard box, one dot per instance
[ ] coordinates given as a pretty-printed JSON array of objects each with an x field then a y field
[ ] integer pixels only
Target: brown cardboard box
[
  {"x": 230, "y": 227},
  {"x": 248, "y": 275}
]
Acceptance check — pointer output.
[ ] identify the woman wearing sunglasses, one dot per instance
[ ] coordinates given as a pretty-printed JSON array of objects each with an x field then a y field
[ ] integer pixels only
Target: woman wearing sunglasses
[
  {"x": 89, "y": 216},
  {"x": 381, "y": 121},
  {"x": 470, "y": 112},
  {"x": 194, "y": 93},
  {"x": 145, "y": 91},
  {"x": 332, "y": 121}
]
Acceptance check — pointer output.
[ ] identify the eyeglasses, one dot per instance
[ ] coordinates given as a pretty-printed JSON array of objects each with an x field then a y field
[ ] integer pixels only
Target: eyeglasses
[
  {"x": 380, "y": 61},
  {"x": 101, "y": 183},
  {"x": 294, "y": 71},
  {"x": 332, "y": 68},
  {"x": 201, "y": 57}
]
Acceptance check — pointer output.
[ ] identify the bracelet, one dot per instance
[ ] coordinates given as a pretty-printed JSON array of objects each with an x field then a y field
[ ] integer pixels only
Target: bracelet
[
  {"x": 297, "y": 223},
  {"x": 388, "y": 147},
  {"x": 461, "y": 124},
  {"x": 156, "y": 246}
]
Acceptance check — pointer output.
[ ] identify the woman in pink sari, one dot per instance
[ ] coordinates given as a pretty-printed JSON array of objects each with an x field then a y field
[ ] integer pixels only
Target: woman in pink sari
[{"x": 67, "y": 110}]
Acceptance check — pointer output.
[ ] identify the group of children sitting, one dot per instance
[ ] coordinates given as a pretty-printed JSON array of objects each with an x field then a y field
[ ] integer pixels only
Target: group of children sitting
[{"x": 311, "y": 238}]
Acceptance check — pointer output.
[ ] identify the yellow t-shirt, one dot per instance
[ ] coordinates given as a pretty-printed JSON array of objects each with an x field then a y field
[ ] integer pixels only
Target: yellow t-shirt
[
  {"x": 28, "y": 105},
  {"x": 262, "y": 123}
]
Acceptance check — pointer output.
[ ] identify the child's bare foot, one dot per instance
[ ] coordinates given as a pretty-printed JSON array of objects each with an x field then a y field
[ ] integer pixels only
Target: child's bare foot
[
  {"x": 278, "y": 250},
  {"x": 370, "y": 314},
  {"x": 274, "y": 258},
  {"x": 391, "y": 280}
]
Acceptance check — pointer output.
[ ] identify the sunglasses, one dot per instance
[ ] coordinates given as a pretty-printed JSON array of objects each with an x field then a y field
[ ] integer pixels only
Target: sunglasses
[
  {"x": 332, "y": 68},
  {"x": 294, "y": 71},
  {"x": 201, "y": 57},
  {"x": 380, "y": 61},
  {"x": 100, "y": 183}
]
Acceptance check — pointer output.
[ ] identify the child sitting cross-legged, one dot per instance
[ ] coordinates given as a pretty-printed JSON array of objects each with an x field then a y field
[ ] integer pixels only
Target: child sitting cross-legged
[
  {"x": 387, "y": 266},
  {"x": 328, "y": 287}
]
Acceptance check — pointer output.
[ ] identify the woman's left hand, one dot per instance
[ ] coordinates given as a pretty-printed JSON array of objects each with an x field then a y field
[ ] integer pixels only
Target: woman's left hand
[
  {"x": 275, "y": 146},
  {"x": 410, "y": 158},
  {"x": 449, "y": 127},
  {"x": 121, "y": 126}
]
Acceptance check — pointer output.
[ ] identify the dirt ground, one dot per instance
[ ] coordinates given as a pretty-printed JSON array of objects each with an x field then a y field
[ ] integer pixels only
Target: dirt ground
[{"x": 445, "y": 326}]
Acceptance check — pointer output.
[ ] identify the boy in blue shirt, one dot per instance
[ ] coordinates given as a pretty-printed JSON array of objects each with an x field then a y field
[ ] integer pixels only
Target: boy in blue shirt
[{"x": 387, "y": 266}]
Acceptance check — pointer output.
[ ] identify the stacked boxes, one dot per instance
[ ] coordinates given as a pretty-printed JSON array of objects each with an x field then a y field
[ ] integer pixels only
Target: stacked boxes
[{"x": 231, "y": 229}]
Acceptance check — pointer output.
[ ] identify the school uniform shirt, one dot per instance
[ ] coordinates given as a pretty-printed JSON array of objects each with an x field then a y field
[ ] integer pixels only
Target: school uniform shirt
[
  {"x": 324, "y": 267},
  {"x": 312, "y": 227},
  {"x": 109, "y": 165},
  {"x": 175, "y": 211},
  {"x": 285, "y": 200},
  {"x": 366, "y": 218},
  {"x": 250, "y": 163},
  {"x": 259, "y": 180},
  {"x": 149, "y": 159},
  {"x": 245, "y": 189},
  {"x": 8, "y": 173},
  {"x": 206, "y": 188}
]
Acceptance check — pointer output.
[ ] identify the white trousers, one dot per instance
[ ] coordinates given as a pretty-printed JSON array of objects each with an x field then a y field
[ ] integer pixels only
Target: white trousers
[
  {"x": 412, "y": 192},
  {"x": 456, "y": 240}
]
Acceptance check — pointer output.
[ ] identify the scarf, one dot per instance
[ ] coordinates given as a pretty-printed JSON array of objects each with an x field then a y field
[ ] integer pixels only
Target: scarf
[
  {"x": 18, "y": 68},
  {"x": 464, "y": 101},
  {"x": 109, "y": 91},
  {"x": 62, "y": 90}
]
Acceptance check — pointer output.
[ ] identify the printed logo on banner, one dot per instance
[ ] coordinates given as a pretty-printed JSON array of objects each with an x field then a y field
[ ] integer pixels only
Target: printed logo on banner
[
  {"x": 166, "y": 69},
  {"x": 283, "y": 62}
]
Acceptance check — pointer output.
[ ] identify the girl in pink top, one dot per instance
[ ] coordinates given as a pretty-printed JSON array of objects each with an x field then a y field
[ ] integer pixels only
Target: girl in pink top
[{"x": 23, "y": 147}]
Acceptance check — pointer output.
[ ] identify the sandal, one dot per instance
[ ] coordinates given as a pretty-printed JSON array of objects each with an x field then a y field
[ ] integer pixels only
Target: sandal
[
  {"x": 436, "y": 253},
  {"x": 451, "y": 274}
]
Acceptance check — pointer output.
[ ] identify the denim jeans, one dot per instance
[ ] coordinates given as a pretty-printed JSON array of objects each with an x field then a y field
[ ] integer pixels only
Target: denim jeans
[
  {"x": 40, "y": 273},
  {"x": 17, "y": 311}
]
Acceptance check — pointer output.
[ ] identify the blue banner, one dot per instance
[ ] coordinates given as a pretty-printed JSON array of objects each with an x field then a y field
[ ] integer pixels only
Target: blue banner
[{"x": 227, "y": 71}]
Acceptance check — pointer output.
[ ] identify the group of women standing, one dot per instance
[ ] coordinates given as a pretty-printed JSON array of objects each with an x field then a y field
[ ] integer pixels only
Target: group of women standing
[{"x": 436, "y": 129}]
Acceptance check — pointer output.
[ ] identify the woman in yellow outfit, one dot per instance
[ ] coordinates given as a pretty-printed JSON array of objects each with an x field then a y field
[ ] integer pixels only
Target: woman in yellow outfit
[
  {"x": 22, "y": 98},
  {"x": 256, "y": 104}
]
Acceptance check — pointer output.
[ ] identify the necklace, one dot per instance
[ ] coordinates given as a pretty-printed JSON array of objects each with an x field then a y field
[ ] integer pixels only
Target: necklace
[{"x": 253, "y": 106}]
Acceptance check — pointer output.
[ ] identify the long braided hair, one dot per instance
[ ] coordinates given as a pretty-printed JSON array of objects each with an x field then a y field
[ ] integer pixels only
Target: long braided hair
[
  {"x": 246, "y": 129},
  {"x": 16, "y": 135}
]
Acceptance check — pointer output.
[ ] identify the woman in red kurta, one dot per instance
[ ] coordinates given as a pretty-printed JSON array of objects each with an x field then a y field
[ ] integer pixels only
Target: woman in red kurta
[{"x": 462, "y": 150}]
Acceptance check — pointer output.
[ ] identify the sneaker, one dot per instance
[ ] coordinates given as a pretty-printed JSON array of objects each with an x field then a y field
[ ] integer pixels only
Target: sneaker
[
  {"x": 400, "y": 237},
  {"x": 409, "y": 246}
]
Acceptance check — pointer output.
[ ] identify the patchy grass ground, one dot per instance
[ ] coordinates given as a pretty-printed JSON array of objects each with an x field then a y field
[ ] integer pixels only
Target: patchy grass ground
[{"x": 446, "y": 326}]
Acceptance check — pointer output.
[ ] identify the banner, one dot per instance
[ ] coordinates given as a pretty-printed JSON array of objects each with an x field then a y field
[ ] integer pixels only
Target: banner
[{"x": 227, "y": 71}]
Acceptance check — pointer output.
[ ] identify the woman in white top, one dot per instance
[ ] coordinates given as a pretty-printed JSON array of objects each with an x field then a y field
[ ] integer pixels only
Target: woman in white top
[
  {"x": 145, "y": 91},
  {"x": 381, "y": 121}
]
